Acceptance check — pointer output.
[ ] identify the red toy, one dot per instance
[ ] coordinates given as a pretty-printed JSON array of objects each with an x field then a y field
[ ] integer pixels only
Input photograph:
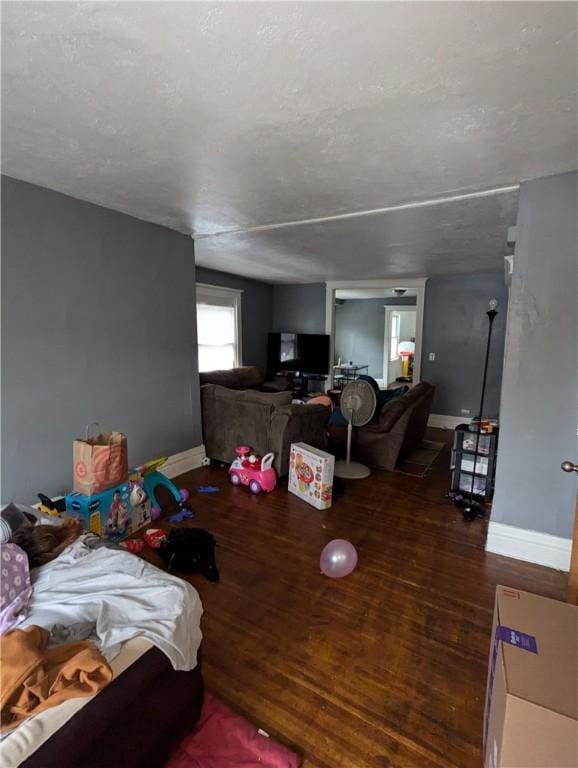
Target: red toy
[{"x": 257, "y": 473}]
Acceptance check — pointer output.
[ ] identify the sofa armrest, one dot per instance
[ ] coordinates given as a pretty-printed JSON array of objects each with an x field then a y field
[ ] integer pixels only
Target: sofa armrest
[{"x": 296, "y": 424}]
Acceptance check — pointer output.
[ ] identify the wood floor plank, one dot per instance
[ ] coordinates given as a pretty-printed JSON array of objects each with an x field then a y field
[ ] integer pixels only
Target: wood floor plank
[{"x": 385, "y": 668}]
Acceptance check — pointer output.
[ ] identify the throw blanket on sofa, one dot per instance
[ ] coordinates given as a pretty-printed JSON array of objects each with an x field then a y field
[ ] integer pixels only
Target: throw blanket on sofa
[
  {"x": 111, "y": 596},
  {"x": 33, "y": 677}
]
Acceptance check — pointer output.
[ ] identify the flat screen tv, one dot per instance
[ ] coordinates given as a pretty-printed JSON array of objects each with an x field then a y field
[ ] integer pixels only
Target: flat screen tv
[{"x": 303, "y": 352}]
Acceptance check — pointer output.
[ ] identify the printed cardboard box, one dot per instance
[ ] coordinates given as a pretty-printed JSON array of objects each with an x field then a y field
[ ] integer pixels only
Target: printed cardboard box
[
  {"x": 311, "y": 475},
  {"x": 531, "y": 716},
  {"x": 109, "y": 513}
]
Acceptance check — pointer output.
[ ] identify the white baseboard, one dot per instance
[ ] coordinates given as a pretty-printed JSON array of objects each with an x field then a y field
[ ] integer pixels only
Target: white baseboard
[
  {"x": 532, "y": 546},
  {"x": 179, "y": 463},
  {"x": 442, "y": 421}
]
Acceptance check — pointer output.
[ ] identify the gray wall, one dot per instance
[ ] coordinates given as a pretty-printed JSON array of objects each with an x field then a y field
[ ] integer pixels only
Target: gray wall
[
  {"x": 98, "y": 324},
  {"x": 540, "y": 390},
  {"x": 257, "y": 311},
  {"x": 360, "y": 330},
  {"x": 455, "y": 328},
  {"x": 299, "y": 308}
]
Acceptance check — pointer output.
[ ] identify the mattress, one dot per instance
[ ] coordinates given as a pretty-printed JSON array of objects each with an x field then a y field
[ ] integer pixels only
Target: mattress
[{"x": 135, "y": 722}]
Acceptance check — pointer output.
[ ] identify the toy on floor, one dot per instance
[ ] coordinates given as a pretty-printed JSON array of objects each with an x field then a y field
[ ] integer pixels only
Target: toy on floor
[
  {"x": 208, "y": 489},
  {"x": 133, "y": 545},
  {"x": 182, "y": 514},
  {"x": 338, "y": 558},
  {"x": 249, "y": 469},
  {"x": 154, "y": 537},
  {"x": 49, "y": 507},
  {"x": 190, "y": 550},
  {"x": 149, "y": 478}
]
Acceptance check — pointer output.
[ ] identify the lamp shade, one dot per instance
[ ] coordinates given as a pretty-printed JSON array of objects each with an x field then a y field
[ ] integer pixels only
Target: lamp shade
[{"x": 406, "y": 348}]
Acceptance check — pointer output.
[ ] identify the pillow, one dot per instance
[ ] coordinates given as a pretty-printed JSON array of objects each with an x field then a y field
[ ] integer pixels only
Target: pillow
[
  {"x": 15, "y": 589},
  {"x": 11, "y": 518},
  {"x": 390, "y": 413},
  {"x": 320, "y": 400},
  {"x": 384, "y": 396}
]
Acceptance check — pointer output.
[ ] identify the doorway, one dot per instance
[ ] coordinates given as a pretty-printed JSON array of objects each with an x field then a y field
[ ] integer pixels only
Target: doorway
[
  {"x": 355, "y": 356},
  {"x": 399, "y": 345}
]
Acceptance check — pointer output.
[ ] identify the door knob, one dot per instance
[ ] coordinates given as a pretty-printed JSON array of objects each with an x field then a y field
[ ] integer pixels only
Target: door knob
[{"x": 569, "y": 466}]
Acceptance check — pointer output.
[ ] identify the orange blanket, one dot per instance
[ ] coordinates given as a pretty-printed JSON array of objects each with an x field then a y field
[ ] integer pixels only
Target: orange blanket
[{"x": 33, "y": 678}]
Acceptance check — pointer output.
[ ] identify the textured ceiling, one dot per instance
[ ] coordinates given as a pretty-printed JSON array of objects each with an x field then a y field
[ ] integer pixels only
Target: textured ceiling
[{"x": 212, "y": 118}]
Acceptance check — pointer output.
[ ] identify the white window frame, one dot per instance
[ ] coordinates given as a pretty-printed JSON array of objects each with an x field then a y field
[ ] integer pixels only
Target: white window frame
[{"x": 220, "y": 296}]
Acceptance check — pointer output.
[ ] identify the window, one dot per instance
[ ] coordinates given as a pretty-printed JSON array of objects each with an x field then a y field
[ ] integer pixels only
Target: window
[
  {"x": 394, "y": 338},
  {"x": 218, "y": 327}
]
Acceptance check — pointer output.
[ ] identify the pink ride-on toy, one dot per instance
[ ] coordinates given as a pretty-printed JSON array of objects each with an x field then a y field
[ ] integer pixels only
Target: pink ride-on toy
[{"x": 249, "y": 469}]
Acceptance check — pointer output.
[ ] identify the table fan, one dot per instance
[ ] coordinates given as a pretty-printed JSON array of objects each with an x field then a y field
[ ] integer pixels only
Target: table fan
[{"x": 358, "y": 406}]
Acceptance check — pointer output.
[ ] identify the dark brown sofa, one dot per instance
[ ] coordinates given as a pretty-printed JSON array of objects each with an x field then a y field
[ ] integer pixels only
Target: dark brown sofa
[
  {"x": 399, "y": 429},
  {"x": 267, "y": 422}
]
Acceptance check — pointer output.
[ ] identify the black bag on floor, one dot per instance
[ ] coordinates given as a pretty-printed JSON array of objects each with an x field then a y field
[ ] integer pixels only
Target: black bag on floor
[{"x": 190, "y": 550}]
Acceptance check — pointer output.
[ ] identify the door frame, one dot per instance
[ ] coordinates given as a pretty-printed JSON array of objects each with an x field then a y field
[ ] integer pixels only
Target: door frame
[{"x": 415, "y": 283}]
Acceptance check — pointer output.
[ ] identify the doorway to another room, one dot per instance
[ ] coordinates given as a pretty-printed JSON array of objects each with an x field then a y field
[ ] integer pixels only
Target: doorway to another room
[
  {"x": 399, "y": 344},
  {"x": 375, "y": 329}
]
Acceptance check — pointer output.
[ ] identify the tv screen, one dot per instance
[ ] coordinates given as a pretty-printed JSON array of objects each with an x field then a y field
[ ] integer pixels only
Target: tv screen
[{"x": 304, "y": 352}]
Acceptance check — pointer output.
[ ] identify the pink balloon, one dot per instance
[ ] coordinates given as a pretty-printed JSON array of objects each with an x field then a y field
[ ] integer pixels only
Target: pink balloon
[{"x": 338, "y": 558}]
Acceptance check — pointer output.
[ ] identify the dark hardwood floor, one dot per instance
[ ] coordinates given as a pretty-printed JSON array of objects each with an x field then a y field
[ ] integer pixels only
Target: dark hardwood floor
[{"x": 386, "y": 667}]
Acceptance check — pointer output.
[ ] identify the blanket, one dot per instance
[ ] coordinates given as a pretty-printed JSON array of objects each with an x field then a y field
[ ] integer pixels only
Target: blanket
[
  {"x": 111, "y": 596},
  {"x": 33, "y": 678}
]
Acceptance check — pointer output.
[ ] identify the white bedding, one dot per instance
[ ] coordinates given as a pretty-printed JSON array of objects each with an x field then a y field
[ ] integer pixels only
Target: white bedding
[{"x": 110, "y": 596}]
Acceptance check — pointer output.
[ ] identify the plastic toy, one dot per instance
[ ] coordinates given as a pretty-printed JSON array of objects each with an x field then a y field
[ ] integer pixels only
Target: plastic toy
[
  {"x": 49, "y": 507},
  {"x": 153, "y": 537},
  {"x": 182, "y": 514},
  {"x": 208, "y": 489},
  {"x": 133, "y": 545},
  {"x": 149, "y": 478},
  {"x": 108, "y": 513},
  {"x": 249, "y": 469}
]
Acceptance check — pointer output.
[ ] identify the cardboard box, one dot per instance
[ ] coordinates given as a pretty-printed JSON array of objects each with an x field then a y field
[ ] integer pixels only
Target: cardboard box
[
  {"x": 109, "y": 513},
  {"x": 311, "y": 475},
  {"x": 531, "y": 716}
]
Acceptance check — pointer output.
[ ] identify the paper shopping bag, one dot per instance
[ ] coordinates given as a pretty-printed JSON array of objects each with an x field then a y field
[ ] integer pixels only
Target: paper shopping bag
[{"x": 99, "y": 462}]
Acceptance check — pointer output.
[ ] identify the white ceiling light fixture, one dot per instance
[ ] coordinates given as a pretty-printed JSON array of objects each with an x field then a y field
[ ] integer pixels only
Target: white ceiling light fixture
[{"x": 399, "y": 291}]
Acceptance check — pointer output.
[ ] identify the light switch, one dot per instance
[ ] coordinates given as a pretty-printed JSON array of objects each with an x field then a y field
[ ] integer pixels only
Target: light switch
[{"x": 432, "y": 356}]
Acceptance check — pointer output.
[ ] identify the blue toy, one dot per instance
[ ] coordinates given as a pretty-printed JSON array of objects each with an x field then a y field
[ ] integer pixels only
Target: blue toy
[
  {"x": 109, "y": 513},
  {"x": 183, "y": 514},
  {"x": 149, "y": 477},
  {"x": 208, "y": 489}
]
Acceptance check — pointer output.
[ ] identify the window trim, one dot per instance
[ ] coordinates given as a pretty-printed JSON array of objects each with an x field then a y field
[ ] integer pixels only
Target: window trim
[
  {"x": 395, "y": 314},
  {"x": 220, "y": 296}
]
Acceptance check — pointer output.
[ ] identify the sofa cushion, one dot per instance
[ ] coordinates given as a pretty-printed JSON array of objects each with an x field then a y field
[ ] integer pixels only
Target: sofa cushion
[
  {"x": 245, "y": 377},
  {"x": 415, "y": 393},
  {"x": 391, "y": 412},
  {"x": 272, "y": 399},
  {"x": 276, "y": 399},
  {"x": 383, "y": 396}
]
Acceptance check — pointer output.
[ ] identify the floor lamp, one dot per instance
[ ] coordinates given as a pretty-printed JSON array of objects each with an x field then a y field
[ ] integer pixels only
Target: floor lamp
[{"x": 471, "y": 508}]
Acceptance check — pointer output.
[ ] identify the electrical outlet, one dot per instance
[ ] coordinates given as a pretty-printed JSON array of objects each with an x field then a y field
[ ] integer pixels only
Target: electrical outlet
[
  {"x": 432, "y": 356},
  {"x": 465, "y": 411}
]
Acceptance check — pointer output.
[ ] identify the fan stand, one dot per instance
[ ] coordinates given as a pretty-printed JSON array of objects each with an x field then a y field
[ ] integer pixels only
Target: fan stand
[{"x": 350, "y": 470}]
